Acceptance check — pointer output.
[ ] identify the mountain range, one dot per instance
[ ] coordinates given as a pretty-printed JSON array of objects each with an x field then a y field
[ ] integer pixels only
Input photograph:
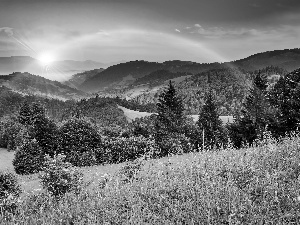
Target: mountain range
[
  {"x": 57, "y": 70},
  {"x": 124, "y": 75}
]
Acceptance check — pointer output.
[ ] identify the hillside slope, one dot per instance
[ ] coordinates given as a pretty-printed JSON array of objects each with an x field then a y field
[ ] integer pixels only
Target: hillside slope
[
  {"x": 27, "y": 83},
  {"x": 118, "y": 73},
  {"x": 78, "y": 78},
  {"x": 229, "y": 85}
]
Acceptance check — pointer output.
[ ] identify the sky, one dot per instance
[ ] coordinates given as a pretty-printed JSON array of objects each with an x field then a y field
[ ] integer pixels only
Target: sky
[{"x": 153, "y": 30}]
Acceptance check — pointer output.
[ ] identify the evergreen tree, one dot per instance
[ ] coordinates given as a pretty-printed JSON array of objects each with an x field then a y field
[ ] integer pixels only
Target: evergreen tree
[
  {"x": 170, "y": 118},
  {"x": 170, "y": 109},
  {"x": 285, "y": 96},
  {"x": 255, "y": 115},
  {"x": 210, "y": 123},
  {"x": 25, "y": 114},
  {"x": 256, "y": 107}
]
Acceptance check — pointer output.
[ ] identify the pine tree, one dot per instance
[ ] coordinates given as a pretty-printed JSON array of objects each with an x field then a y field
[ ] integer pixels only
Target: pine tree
[
  {"x": 25, "y": 114},
  {"x": 210, "y": 123},
  {"x": 256, "y": 114},
  {"x": 256, "y": 107},
  {"x": 170, "y": 111},
  {"x": 170, "y": 118},
  {"x": 285, "y": 96}
]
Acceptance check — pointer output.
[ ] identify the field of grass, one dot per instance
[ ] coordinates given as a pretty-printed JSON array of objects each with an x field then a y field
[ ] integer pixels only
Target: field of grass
[
  {"x": 132, "y": 115},
  {"x": 258, "y": 185}
]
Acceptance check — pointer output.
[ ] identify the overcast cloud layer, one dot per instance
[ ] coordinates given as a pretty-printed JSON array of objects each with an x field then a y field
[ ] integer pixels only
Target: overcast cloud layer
[{"x": 155, "y": 30}]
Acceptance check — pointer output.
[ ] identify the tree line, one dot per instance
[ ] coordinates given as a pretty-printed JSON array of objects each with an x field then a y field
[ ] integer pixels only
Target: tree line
[{"x": 84, "y": 142}]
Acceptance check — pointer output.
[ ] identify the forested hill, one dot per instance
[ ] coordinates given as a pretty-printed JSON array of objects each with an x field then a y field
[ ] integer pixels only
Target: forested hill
[
  {"x": 118, "y": 73},
  {"x": 158, "y": 77},
  {"x": 78, "y": 78},
  {"x": 101, "y": 111},
  {"x": 27, "y": 83},
  {"x": 288, "y": 59},
  {"x": 229, "y": 85},
  {"x": 123, "y": 75}
]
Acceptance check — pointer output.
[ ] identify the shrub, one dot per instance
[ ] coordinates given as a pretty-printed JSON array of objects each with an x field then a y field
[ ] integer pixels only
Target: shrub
[
  {"x": 43, "y": 129},
  {"x": 29, "y": 158},
  {"x": 59, "y": 177},
  {"x": 121, "y": 149},
  {"x": 9, "y": 192},
  {"x": 174, "y": 144},
  {"x": 79, "y": 139},
  {"x": 87, "y": 158},
  {"x": 129, "y": 171}
]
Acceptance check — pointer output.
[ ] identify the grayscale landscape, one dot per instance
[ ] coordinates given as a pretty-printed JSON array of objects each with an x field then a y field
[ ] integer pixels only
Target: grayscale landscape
[{"x": 149, "y": 112}]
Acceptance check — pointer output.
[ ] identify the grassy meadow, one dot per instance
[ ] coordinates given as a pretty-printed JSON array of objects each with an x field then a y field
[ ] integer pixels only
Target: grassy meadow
[{"x": 256, "y": 185}]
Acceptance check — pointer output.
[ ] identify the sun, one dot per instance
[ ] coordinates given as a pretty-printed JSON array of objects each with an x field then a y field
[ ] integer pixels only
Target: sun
[{"x": 46, "y": 58}]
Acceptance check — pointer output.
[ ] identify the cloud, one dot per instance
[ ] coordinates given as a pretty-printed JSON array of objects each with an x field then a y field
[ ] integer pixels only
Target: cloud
[
  {"x": 187, "y": 28},
  {"x": 103, "y": 32},
  {"x": 177, "y": 30},
  {"x": 197, "y": 25},
  {"x": 220, "y": 32},
  {"x": 251, "y": 39},
  {"x": 8, "y": 30}
]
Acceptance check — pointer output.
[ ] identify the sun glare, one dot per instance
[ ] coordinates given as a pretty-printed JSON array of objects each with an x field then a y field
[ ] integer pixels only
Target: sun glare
[{"x": 46, "y": 58}]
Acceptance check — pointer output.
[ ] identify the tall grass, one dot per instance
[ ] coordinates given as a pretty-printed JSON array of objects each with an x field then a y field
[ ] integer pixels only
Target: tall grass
[{"x": 255, "y": 185}]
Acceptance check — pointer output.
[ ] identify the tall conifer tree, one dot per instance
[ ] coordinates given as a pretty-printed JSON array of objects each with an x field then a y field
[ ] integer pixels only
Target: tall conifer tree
[
  {"x": 256, "y": 106},
  {"x": 210, "y": 123},
  {"x": 285, "y": 96},
  {"x": 170, "y": 118},
  {"x": 170, "y": 111},
  {"x": 255, "y": 115}
]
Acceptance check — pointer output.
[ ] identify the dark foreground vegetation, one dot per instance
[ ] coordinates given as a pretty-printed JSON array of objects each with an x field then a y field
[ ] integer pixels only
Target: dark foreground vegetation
[
  {"x": 242, "y": 173},
  {"x": 257, "y": 185}
]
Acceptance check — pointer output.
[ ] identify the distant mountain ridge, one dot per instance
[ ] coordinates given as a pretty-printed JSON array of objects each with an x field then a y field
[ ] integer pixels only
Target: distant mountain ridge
[
  {"x": 113, "y": 77},
  {"x": 57, "y": 70},
  {"x": 288, "y": 59},
  {"x": 29, "y": 84},
  {"x": 117, "y": 73}
]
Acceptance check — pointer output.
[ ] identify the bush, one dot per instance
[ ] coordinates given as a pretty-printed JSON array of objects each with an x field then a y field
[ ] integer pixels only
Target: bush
[
  {"x": 121, "y": 149},
  {"x": 59, "y": 177},
  {"x": 78, "y": 142},
  {"x": 174, "y": 144},
  {"x": 87, "y": 158},
  {"x": 129, "y": 172},
  {"x": 9, "y": 192},
  {"x": 29, "y": 158}
]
